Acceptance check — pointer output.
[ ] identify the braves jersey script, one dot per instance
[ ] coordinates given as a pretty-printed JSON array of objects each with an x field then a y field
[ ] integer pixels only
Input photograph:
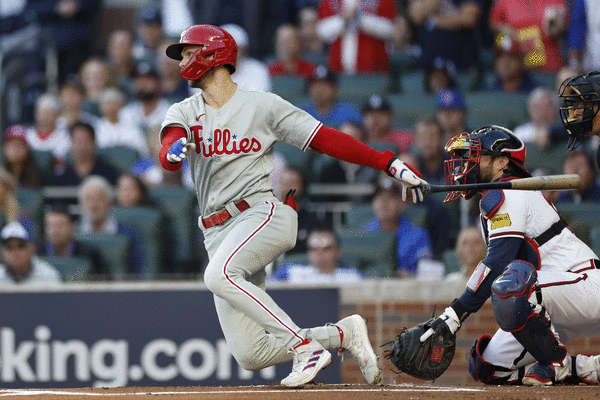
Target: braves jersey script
[
  {"x": 529, "y": 214},
  {"x": 233, "y": 156}
]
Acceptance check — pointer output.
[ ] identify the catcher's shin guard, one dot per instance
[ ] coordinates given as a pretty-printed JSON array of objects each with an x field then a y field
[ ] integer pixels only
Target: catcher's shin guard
[
  {"x": 514, "y": 313},
  {"x": 484, "y": 371}
]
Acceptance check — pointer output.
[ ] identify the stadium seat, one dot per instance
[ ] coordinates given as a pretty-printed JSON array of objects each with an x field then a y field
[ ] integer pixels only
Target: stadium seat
[
  {"x": 70, "y": 268},
  {"x": 148, "y": 224},
  {"x": 375, "y": 251},
  {"x": 413, "y": 82},
  {"x": 451, "y": 262},
  {"x": 288, "y": 87},
  {"x": 497, "y": 108},
  {"x": 357, "y": 217},
  {"x": 296, "y": 157},
  {"x": 43, "y": 160},
  {"x": 180, "y": 205},
  {"x": 122, "y": 158},
  {"x": 358, "y": 87},
  {"x": 595, "y": 239},
  {"x": 408, "y": 109},
  {"x": 549, "y": 159},
  {"x": 114, "y": 252},
  {"x": 545, "y": 79},
  {"x": 32, "y": 201}
]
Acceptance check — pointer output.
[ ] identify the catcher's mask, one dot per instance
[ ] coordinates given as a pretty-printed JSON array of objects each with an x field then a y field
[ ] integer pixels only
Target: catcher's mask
[
  {"x": 212, "y": 40},
  {"x": 466, "y": 150},
  {"x": 581, "y": 96}
]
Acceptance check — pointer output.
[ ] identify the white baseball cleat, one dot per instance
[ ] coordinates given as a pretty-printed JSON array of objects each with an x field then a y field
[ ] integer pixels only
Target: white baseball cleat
[
  {"x": 356, "y": 342},
  {"x": 309, "y": 358}
]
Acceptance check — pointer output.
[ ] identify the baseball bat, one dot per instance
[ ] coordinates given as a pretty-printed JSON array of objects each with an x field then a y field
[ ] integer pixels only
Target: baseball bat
[{"x": 549, "y": 182}]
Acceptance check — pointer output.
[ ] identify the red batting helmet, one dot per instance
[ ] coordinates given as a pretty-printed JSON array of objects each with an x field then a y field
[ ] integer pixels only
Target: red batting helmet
[{"x": 213, "y": 40}]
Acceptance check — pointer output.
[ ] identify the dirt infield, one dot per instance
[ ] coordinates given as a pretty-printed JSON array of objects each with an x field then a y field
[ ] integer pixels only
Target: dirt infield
[{"x": 312, "y": 392}]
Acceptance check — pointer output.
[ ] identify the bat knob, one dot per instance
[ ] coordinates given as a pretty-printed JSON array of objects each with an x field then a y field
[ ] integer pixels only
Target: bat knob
[{"x": 426, "y": 189}]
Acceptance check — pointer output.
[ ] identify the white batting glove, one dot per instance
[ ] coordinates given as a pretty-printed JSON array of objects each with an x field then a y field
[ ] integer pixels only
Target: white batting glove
[
  {"x": 177, "y": 151},
  {"x": 449, "y": 317},
  {"x": 408, "y": 177}
]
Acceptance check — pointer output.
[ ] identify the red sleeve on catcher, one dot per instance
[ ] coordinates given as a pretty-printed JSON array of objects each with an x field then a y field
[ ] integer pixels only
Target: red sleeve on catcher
[
  {"x": 344, "y": 147},
  {"x": 170, "y": 136}
]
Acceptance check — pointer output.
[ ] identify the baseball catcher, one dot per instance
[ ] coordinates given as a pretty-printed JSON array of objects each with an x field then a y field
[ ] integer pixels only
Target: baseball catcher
[{"x": 544, "y": 283}]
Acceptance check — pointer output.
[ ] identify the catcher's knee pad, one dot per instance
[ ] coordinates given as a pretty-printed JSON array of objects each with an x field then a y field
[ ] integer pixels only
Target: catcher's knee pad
[
  {"x": 510, "y": 294},
  {"x": 514, "y": 313},
  {"x": 481, "y": 370}
]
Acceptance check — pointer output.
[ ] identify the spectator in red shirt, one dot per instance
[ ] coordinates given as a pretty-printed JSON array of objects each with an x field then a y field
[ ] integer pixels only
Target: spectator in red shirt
[
  {"x": 536, "y": 26},
  {"x": 357, "y": 32},
  {"x": 288, "y": 49}
]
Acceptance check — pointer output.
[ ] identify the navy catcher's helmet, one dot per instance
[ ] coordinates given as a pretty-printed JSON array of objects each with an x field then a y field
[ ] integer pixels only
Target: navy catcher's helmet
[
  {"x": 581, "y": 96},
  {"x": 466, "y": 150}
]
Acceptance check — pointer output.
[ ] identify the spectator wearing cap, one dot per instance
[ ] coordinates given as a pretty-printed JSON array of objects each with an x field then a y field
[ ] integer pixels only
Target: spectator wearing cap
[
  {"x": 149, "y": 33},
  {"x": 412, "y": 242},
  {"x": 325, "y": 266},
  {"x": 379, "y": 123},
  {"x": 356, "y": 32},
  {"x": 451, "y": 112},
  {"x": 112, "y": 129},
  {"x": 149, "y": 109},
  {"x": 288, "y": 52},
  {"x": 59, "y": 239},
  {"x": 71, "y": 96},
  {"x": 21, "y": 265},
  {"x": 46, "y": 134},
  {"x": 248, "y": 71},
  {"x": 17, "y": 158},
  {"x": 324, "y": 103},
  {"x": 440, "y": 75},
  {"x": 510, "y": 73},
  {"x": 83, "y": 161}
]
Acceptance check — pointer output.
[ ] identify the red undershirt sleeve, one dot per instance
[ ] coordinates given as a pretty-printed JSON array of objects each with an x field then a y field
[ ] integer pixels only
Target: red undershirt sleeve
[
  {"x": 171, "y": 135},
  {"x": 344, "y": 147}
]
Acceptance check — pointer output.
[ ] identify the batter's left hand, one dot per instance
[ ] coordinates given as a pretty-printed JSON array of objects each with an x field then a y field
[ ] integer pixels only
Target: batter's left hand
[{"x": 409, "y": 177}]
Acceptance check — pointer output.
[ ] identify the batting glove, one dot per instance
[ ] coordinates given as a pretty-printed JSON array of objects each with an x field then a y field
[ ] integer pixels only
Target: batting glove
[
  {"x": 449, "y": 317},
  {"x": 409, "y": 177},
  {"x": 177, "y": 151}
]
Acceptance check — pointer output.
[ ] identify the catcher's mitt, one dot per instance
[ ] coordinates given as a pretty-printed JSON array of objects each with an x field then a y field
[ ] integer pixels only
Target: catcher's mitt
[{"x": 424, "y": 360}]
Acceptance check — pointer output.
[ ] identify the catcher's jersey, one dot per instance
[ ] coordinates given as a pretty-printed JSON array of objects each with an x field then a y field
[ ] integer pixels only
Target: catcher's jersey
[
  {"x": 233, "y": 156},
  {"x": 529, "y": 214}
]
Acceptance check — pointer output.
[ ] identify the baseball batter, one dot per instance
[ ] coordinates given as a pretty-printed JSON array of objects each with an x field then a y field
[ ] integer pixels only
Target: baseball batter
[
  {"x": 227, "y": 132},
  {"x": 543, "y": 281}
]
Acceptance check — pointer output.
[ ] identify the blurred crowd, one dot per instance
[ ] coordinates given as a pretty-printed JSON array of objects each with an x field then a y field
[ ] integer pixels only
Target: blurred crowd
[{"x": 88, "y": 148}]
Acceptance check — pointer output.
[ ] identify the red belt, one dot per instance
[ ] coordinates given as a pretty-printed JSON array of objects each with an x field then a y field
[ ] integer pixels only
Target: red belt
[{"x": 220, "y": 217}]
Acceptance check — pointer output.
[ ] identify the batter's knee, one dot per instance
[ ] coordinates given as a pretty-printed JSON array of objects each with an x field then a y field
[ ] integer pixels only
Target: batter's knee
[
  {"x": 214, "y": 278},
  {"x": 510, "y": 295}
]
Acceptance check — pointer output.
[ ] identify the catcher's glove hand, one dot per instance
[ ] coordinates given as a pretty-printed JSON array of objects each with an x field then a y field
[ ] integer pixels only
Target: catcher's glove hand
[{"x": 428, "y": 359}]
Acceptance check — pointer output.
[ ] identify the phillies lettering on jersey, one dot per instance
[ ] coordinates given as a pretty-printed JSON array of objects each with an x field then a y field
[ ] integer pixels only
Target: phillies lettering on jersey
[{"x": 223, "y": 142}]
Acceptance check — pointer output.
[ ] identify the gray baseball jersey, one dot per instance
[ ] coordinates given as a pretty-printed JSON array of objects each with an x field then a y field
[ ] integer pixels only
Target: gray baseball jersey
[
  {"x": 233, "y": 156},
  {"x": 232, "y": 161}
]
